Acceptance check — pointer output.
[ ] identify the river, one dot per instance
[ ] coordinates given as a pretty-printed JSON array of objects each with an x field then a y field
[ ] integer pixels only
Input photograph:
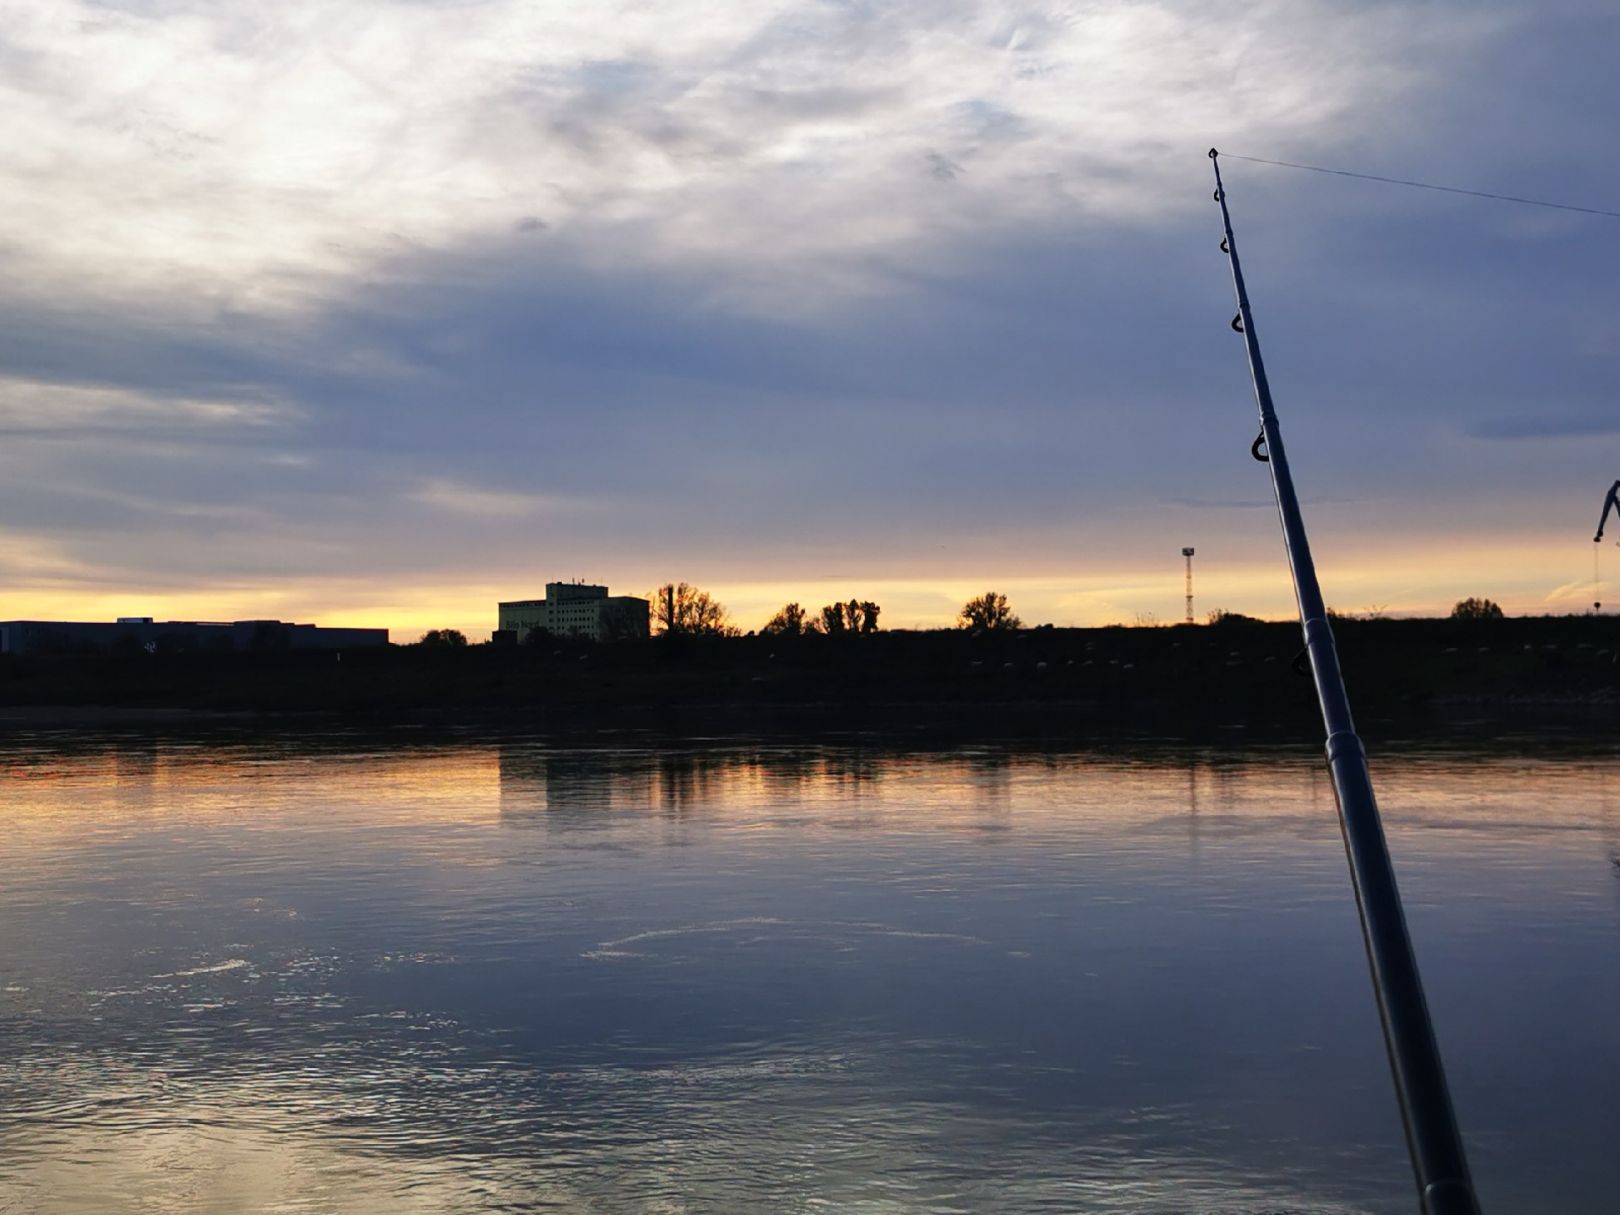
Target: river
[{"x": 413, "y": 973}]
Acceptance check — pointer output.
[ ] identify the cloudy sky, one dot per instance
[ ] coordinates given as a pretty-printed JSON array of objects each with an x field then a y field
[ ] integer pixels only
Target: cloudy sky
[{"x": 378, "y": 311}]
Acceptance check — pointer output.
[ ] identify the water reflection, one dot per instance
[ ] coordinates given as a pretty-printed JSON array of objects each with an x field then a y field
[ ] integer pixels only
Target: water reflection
[{"x": 511, "y": 975}]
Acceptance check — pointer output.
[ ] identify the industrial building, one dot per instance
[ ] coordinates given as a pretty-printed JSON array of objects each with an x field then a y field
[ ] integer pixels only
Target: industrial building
[
  {"x": 577, "y": 609},
  {"x": 134, "y": 633}
]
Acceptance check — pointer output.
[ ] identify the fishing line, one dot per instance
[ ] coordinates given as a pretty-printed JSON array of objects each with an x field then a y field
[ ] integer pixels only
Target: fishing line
[
  {"x": 1439, "y": 1162},
  {"x": 1425, "y": 185}
]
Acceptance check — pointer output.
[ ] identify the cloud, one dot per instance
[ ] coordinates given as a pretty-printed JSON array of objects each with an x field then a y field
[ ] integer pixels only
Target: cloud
[
  {"x": 260, "y": 157},
  {"x": 41, "y": 408},
  {"x": 1535, "y": 426},
  {"x": 461, "y": 499},
  {"x": 435, "y": 295}
]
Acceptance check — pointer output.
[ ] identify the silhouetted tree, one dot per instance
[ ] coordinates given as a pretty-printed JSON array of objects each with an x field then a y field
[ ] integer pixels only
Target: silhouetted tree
[
  {"x": 791, "y": 620},
  {"x": 451, "y": 638},
  {"x": 678, "y": 607},
  {"x": 1222, "y": 616},
  {"x": 988, "y": 611},
  {"x": 619, "y": 626},
  {"x": 856, "y": 616},
  {"x": 1476, "y": 609}
]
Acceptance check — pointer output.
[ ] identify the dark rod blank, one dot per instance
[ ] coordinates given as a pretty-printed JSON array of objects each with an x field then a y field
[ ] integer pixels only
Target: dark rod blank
[
  {"x": 1612, "y": 502},
  {"x": 1432, "y": 1138}
]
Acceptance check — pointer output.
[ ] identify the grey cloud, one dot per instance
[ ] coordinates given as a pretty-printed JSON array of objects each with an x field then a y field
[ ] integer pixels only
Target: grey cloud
[
  {"x": 1531, "y": 426},
  {"x": 1226, "y": 504},
  {"x": 1069, "y": 378},
  {"x": 732, "y": 427},
  {"x": 1022, "y": 386},
  {"x": 942, "y": 168},
  {"x": 1258, "y": 503},
  {"x": 988, "y": 121},
  {"x": 810, "y": 103}
]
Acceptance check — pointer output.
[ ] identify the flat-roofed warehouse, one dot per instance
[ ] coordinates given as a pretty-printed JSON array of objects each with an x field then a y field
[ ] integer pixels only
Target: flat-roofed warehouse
[
  {"x": 578, "y": 609},
  {"x": 173, "y": 636}
]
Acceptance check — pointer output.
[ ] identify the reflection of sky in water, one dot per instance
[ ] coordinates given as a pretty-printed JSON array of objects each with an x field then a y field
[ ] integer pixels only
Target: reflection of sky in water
[{"x": 479, "y": 977}]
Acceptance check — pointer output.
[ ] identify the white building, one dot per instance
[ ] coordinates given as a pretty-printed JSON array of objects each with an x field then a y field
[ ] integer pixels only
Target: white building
[{"x": 576, "y": 609}]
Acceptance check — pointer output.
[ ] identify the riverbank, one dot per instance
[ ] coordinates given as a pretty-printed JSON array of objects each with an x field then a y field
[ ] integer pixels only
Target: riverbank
[{"x": 1181, "y": 679}]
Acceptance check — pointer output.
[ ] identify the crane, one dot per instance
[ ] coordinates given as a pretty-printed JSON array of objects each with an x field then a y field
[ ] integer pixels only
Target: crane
[{"x": 1612, "y": 502}]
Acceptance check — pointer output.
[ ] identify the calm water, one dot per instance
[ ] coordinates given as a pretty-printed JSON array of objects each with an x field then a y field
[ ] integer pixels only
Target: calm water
[{"x": 301, "y": 977}]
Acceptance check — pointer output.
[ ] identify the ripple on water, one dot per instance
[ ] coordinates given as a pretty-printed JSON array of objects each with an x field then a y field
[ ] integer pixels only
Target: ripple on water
[{"x": 483, "y": 978}]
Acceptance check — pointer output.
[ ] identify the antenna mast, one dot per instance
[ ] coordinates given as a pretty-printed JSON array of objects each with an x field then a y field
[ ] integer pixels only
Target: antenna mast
[
  {"x": 1188, "y": 553},
  {"x": 1432, "y": 1138}
]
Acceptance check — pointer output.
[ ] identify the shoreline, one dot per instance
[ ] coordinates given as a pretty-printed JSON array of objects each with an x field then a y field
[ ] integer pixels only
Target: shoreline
[
  {"x": 1462, "y": 723},
  {"x": 1179, "y": 681}
]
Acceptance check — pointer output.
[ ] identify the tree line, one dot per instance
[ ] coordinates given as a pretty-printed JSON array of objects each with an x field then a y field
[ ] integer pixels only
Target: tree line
[
  {"x": 856, "y": 616},
  {"x": 679, "y": 608}
]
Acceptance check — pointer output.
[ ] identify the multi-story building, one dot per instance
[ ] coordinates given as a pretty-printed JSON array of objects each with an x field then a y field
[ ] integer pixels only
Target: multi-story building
[
  {"x": 576, "y": 609},
  {"x": 142, "y": 632}
]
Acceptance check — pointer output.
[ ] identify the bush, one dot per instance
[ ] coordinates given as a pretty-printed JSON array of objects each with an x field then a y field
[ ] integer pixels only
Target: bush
[
  {"x": 448, "y": 638},
  {"x": 1222, "y": 616},
  {"x": 1476, "y": 609},
  {"x": 989, "y": 611}
]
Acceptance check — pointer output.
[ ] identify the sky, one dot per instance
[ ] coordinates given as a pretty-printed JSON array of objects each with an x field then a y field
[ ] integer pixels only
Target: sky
[{"x": 380, "y": 311}]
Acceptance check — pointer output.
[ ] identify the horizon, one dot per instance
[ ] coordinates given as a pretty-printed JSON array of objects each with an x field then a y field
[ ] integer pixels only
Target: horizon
[{"x": 477, "y": 633}]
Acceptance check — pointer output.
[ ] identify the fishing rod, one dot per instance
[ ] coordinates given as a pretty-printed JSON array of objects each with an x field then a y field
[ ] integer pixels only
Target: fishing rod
[
  {"x": 1432, "y": 1138},
  {"x": 1612, "y": 502}
]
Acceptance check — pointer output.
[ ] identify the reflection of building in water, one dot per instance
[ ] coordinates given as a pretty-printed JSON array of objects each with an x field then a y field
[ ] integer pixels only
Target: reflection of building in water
[
  {"x": 136, "y": 765},
  {"x": 135, "y": 762},
  {"x": 788, "y": 775},
  {"x": 563, "y": 786},
  {"x": 992, "y": 777},
  {"x": 575, "y": 609},
  {"x": 1193, "y": 840},
  {"x": 580, "y": 785},
  {"x": 850, "y": 770}
]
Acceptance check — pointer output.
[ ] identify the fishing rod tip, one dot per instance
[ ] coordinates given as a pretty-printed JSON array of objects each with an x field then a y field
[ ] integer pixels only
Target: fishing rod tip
[{"x": 1213, "y": 153}]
